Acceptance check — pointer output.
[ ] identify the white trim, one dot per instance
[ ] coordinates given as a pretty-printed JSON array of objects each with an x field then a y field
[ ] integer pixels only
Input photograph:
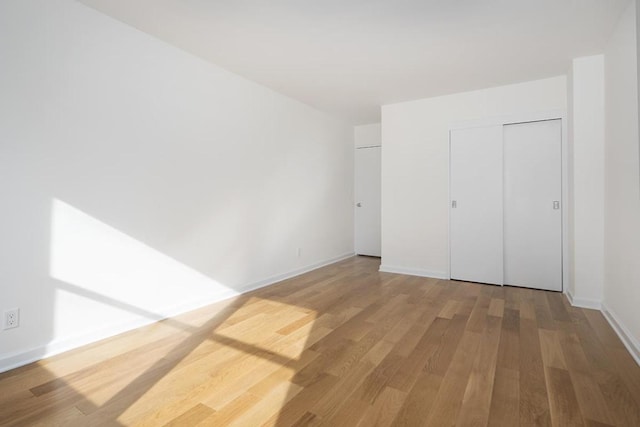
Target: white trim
[
  {"x": 564, "y": 204},
  {"x": 449, "y": 201},
  {"x": 583, "y": 302},
  {"x": 288, "y": 275},
  {"x": 632, "y": 344},
  {"x": 414, "y": 271},
  {"x": 22, "y": 358},
  {"x": 629, "y": 341},
  {"x": 508, "y": 119}
]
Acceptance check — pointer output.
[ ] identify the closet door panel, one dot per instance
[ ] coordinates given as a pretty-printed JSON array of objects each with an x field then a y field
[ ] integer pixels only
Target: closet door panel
[
  {"x": 532, "y": 205},
  {"x": 476, "y": 205}
]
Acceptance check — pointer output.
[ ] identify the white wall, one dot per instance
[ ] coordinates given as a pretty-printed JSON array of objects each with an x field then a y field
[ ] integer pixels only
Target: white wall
[
  {"x": 139, "y": 181},
  {"x": 367, "y": 135},
  {"x": 622, "y": 186},
  {"x": 638, "y": 45},
  {"x": 586, "y": 145},
  {"x": 415, "y": 166},
  {"x": 569, "y": 287}
]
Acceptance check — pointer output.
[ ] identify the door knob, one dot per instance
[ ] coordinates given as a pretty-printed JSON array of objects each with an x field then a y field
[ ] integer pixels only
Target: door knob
[{"x": 359, "y": 204}]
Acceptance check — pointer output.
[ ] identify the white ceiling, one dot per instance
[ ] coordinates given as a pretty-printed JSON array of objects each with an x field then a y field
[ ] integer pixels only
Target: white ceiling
[{"x": 348, "y": 57}]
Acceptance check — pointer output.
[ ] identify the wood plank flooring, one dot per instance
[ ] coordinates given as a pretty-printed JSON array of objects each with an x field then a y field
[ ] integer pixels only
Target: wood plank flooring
[{"x": 345, "y": 345}]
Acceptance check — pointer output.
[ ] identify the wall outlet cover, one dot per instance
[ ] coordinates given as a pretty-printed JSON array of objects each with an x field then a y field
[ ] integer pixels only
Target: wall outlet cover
[{"x": 11, "y": 318}]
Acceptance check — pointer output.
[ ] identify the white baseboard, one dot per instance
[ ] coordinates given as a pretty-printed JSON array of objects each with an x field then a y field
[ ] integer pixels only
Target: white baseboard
[
  {"x": 280, "y": 277},
  {"x": 629, "y": 341},
  {"x": 53, "y": 348},
  {"x": 414, "y": 272},
  {"x": 583, "y": 302},
  {"x": 22, "y": 358}
]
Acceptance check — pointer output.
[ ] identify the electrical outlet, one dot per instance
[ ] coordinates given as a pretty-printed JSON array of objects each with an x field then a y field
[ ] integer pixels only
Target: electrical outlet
[{"x": 12, "y": 318}]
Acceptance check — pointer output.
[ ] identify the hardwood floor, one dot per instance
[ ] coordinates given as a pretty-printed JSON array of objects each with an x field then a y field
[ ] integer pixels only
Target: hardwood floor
[{"x": 345, "y": 345}]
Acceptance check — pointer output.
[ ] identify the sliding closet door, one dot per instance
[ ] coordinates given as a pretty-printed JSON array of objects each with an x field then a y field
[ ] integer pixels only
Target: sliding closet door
[
  {"x": 532, "y": 205},
  {"x": 476, "y": 204}
]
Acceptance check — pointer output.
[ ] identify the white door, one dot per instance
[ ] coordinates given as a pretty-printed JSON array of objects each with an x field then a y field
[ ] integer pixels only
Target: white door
[
  {"x": 532, "y": 205},
  {"x": 368, "y": 197},
  {"x": 476, "y": 204}
]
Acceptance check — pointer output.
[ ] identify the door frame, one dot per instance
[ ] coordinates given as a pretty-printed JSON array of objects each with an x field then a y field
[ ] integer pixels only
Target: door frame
[{"x": 515, "y": 119}]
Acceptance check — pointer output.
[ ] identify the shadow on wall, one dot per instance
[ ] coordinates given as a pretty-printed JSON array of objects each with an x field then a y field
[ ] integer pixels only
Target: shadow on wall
[{"x": 100, "y": 274}]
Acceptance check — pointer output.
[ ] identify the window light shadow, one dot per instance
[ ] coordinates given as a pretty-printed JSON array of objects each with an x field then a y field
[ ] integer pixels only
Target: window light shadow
[
  {"x": 101, "y": 273},
  {"x": 99, "y": 259}
]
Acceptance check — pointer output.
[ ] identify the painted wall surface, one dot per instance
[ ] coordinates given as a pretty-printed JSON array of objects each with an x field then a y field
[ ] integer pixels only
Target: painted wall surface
[
  {"x": 586, "y": 142},
  {"x": 622, "y": 174},
  {"x": 367, "y": 135},
  {"x": 415, "y": 167},
  {"x": 638, "y": 46},
  {"x": 138, "y": 181},
  {"x": 569, "y": 203}
]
